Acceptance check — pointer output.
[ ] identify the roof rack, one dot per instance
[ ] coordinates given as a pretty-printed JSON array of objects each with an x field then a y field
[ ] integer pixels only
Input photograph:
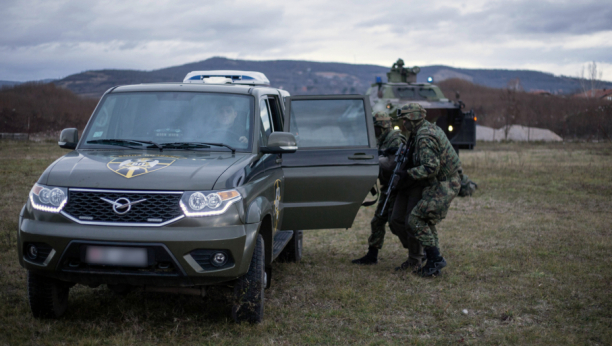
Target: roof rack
[{"x": 227, "y": 77}]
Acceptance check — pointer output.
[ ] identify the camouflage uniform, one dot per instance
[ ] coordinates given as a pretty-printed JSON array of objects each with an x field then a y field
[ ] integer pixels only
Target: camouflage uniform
[
  {"x": 389, "y": 139},
  {"x": 436, "y": 162}
]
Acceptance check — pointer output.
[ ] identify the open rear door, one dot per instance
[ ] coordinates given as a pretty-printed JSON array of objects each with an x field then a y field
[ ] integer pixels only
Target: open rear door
[{"x": 336, "y": 163}]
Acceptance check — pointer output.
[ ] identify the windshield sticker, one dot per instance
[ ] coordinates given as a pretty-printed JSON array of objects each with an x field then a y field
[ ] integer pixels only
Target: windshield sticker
[
  {"x": 98, "y": 134},
  {"x": 277, "y": 198},
  {"x": 139, "y": 165}
]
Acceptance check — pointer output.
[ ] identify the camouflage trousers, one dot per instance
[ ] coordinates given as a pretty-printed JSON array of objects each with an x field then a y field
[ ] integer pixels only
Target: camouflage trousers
[
  {"x": 405, "y": 201},
  {"x": 377, "y": 238},
  {"x": 432, "y": 209}
]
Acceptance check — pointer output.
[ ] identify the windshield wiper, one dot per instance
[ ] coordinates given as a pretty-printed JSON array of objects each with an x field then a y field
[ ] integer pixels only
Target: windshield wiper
[
  {"x": 187, "y": 145},
  {"x": 122, "y": 142}
]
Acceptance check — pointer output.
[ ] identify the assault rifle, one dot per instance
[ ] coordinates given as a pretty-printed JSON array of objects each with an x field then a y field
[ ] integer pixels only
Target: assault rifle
[{"x": 400, "y": 157}]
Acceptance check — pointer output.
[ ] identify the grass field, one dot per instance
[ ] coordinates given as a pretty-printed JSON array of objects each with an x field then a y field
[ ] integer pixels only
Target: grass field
[{"x": 530, "y": 259}]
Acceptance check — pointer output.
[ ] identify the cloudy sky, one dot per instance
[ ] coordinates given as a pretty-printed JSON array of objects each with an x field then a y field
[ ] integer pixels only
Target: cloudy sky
[{"x": 53, "y": 39}]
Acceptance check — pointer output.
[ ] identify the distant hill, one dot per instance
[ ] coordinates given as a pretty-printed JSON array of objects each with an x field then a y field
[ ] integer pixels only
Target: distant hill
[
  {"x": 307, "y": 77},
  {"x": 11, "y": 83},
  {"x": 8, "y": 83}
]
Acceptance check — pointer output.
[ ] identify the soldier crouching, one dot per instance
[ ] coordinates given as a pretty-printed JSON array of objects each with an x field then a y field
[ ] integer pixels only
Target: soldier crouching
[
  {"x": 387, "y": 140},
  {"x": 433, "y": 161}
]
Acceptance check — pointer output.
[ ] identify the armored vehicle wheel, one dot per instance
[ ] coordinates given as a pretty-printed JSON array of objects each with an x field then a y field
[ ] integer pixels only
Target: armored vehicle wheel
[
  {"x": 249, "y": 289},
  {"x": 293, "y": 251},
  {"x": 48, "y": 297}
]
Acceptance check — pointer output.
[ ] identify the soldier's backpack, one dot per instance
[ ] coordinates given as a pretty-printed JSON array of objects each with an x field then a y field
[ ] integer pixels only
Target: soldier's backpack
[{"x": 468, "y": 187}]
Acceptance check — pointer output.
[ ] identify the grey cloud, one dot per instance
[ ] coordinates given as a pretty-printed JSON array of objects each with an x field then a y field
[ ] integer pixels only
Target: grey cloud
[
  {"x": 135, "y": 22},
  {"x": 548, "y": 17},
  {"x": 498, "y": 20}
]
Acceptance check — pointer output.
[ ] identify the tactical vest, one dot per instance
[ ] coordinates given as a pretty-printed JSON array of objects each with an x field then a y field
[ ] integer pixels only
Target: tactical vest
[{"x": 449, "y": 160}]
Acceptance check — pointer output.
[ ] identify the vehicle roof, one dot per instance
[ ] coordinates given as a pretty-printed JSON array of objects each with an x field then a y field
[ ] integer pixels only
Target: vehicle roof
[{"x": 193, "y": 87}]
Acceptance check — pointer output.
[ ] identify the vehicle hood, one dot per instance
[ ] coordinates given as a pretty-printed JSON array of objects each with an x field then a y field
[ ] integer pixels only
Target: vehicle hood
[{"x": 140, "y": 170}]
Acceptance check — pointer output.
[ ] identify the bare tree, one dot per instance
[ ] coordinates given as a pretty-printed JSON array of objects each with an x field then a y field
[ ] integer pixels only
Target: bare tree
[
  {"x": 512, "y": 111},
  {"x": 591, "y": 81}
]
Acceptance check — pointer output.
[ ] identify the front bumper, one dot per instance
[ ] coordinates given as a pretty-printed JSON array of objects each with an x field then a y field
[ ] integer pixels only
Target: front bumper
[{"x": 178, "y": 240}]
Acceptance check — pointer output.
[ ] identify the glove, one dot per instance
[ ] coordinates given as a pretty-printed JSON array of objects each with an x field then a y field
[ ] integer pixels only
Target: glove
[{"x": 399, "y": 176}]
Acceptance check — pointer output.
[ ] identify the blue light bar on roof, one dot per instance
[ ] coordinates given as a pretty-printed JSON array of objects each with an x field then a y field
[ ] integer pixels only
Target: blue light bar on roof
[{"x": 227, "y": 77}]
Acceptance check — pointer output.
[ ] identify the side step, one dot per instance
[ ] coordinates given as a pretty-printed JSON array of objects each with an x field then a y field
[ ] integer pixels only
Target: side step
[{"x": 281, "y": 239}]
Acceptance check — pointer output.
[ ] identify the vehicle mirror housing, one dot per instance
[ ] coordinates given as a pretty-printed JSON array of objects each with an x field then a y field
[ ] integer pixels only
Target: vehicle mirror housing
[
  {"x": 69, "y": 138},
  {"x": 280, "y": 142}
]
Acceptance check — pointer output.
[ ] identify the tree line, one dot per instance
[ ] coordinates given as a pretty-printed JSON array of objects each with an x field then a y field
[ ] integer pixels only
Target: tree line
[
  {"x": 42, "y": 108},
  {"x": 47, "y": 108},
  {"x": 569, "y": 117}
]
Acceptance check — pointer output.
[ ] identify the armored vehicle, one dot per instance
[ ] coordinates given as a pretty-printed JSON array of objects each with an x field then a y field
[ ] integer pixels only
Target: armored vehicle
[
  {"x": 402, "y": 88},
  {"x": 179, "y": 186}
]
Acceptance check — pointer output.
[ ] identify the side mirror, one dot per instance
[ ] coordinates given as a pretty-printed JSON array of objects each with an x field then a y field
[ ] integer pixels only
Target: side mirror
[
  {"x": 69, "y": 138},
  {"x": 280, "y": 142}
]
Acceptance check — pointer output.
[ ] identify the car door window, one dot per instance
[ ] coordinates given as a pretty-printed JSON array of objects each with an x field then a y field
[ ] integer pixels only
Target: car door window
[
  {"x": 266, "y": 124},
  {"x": 275, "y": 112},
  {"x": 329, "y": 123}
]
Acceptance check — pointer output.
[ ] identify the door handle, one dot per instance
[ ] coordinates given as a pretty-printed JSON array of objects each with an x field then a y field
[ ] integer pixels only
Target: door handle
[{"x": 360, "y": 156}]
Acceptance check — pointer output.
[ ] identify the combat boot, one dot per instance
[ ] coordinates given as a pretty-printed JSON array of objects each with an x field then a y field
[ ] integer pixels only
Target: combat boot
[
  {"x": 370, "y": 258},
  {"x": 435, "y": 262},
  {"x": 410, "y": 264}
]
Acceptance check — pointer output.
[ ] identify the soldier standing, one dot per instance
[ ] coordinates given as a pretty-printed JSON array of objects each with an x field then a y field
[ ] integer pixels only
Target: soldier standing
[
  {"x": 434, "y": 160},
  {"x": 387, "y": 140}
]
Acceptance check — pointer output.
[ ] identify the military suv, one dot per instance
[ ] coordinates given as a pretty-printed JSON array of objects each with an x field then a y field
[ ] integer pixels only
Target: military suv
[{"x": 175, "y": 187}]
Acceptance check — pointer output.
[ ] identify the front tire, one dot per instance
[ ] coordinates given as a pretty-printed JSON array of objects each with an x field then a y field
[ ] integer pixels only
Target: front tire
[
  {"x": 249, "y": 289},
  {"x": 48, "y": 297}
]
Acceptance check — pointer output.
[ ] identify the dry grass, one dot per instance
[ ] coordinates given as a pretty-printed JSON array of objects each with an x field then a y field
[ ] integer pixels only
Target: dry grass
[{"x": 529, "y": 258}]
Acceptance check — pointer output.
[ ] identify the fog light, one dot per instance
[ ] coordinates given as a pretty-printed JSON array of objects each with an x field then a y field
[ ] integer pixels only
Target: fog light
[
  {"x": 32, "y": 252},
  {"x": 219, "y": 259},
  {"x": 450, "y": 128}
]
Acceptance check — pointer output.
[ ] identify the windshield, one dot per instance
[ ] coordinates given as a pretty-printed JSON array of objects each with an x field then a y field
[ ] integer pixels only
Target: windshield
[
  {"x": 171, "y": 117},
  {"x": 412, "y": 93}
]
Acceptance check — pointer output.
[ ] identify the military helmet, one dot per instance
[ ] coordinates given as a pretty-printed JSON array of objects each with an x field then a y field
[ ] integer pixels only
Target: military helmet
[
  {"x": 382, "y": 119},
  {"x": 412, "y": 111}
]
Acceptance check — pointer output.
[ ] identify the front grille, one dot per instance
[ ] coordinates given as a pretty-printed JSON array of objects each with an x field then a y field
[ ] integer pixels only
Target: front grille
[{"x": 88, "y": 206}]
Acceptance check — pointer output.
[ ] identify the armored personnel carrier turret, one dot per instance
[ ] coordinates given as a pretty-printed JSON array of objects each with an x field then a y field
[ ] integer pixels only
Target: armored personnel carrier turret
[{"x": 402, "y": 88}]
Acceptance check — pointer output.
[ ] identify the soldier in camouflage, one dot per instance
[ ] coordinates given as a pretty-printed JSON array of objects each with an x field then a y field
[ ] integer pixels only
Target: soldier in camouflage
[
  {"x": 387, "y": 139},
  {"x": 434, "y": 160}
]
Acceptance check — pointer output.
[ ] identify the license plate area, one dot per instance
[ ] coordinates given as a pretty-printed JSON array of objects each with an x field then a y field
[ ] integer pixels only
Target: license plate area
[{"x": 120, "y": 256}]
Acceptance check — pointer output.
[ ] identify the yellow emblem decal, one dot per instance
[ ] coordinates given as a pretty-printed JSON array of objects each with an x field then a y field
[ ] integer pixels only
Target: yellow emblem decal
[
  {"x": 133, "y": 166},
  {"x": 277, "y": 199}
]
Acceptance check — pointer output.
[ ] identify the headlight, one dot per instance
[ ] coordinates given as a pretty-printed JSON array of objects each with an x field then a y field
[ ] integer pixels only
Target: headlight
[
  {"x": 48, "y": 198},
  {"x": 208, "y": 203}
]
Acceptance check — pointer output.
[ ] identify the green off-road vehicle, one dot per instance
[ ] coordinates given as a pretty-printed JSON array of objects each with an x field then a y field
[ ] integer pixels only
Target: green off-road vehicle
[
  {"x": 176, "y": 187},
  {"x": 402, "y": 88}
]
